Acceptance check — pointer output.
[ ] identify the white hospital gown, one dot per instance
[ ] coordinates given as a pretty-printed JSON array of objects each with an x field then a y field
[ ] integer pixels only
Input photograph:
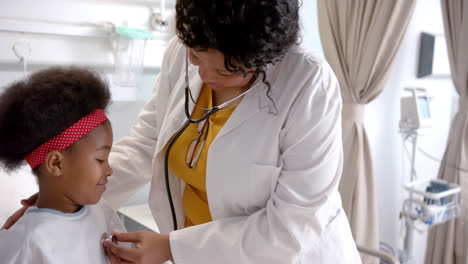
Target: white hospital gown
[{"x": 50, "y": 236}]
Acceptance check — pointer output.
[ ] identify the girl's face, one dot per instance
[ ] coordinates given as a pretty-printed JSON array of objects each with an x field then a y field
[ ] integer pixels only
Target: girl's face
[
  {"x": 86, "y": 166},
  {"x": 213, "y": 72}
]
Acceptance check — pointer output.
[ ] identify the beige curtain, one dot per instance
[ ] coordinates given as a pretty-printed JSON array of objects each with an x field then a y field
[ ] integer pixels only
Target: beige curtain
[
  {"x": 448, "y": 243},
  {"x": 361, "y": 39}
]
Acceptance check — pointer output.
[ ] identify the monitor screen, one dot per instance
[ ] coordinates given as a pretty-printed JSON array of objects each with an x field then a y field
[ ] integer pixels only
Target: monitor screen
[{"x": 423, "y": 107}]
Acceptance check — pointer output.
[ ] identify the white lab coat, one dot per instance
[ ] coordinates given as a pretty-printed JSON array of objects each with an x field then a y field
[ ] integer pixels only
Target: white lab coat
[{"x": 271, "y": 177}]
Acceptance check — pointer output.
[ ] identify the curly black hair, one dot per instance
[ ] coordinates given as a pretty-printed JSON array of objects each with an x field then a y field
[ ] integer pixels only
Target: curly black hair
[
  {"x": 253, "y": 33},
  {"x": 34, "y": 110}
]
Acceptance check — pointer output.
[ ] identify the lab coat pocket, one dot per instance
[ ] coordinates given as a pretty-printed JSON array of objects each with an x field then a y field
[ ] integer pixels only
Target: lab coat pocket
[{"x": 262, "y": 183}]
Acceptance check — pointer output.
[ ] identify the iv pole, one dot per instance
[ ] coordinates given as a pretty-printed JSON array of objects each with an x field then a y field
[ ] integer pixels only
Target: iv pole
[{"x": 406, "y": 255}]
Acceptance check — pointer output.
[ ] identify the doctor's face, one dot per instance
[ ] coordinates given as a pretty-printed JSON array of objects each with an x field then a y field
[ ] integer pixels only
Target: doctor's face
[
  {"x": 86, "y": 166},
  {"x": 213, "y": 72}
]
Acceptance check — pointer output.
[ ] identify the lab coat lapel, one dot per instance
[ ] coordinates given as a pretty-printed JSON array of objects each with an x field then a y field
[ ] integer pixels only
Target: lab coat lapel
[
  {"x": 175, "y": 116},
  {"x": 250, "y": 105}
]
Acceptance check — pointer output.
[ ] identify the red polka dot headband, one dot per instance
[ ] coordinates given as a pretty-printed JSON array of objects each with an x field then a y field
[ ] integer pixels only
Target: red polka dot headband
[{"x": 67, "y": 137}]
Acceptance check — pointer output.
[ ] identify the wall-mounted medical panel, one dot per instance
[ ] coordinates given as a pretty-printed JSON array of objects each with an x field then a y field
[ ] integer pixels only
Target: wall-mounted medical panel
[{"x": 78, "y": 32}]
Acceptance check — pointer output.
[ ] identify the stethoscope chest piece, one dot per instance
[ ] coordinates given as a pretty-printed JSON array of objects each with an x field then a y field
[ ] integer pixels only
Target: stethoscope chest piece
[{"x": 109, "y": 237}]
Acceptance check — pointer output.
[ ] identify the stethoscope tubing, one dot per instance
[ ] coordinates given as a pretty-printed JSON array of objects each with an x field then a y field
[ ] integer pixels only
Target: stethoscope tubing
[
  {"x": 190, "y": 120},
  {"x": 171, "y": 143}
]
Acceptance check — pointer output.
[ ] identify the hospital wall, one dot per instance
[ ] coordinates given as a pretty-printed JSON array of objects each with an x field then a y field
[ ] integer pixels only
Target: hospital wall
[
  {"x": 391, "y": 166},
  {"x": 390, "y": 162}
]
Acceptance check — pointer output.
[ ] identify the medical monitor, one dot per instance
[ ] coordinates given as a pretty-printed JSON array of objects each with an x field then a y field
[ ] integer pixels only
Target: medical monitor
[
  {"x": 424, "y": 112},
  {"x": 415, "y": 109}
]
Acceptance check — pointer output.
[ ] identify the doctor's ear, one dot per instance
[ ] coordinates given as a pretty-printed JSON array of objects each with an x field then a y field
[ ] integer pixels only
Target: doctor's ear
[{"x": 54, "y": 163}]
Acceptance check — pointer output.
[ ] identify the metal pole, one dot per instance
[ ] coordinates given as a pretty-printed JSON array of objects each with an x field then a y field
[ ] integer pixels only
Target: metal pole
[{"x": 409, "y": 237}]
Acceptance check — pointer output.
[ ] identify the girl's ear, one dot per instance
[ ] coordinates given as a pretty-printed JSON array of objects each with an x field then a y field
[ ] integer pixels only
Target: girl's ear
[{"x": 54, "y": 163}]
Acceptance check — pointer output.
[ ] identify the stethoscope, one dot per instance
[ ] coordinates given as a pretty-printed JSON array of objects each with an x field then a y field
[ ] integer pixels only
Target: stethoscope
[{"x": 208, "y": 112}]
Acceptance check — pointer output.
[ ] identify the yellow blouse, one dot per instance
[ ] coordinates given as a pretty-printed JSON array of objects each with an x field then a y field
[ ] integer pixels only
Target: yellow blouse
[{"x": 195, "y": 200}]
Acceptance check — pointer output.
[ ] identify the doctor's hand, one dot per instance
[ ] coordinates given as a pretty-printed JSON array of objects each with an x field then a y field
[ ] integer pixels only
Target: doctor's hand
[
  {"x": 150, "y": 248},
  {"x": 19, "y": 213}
]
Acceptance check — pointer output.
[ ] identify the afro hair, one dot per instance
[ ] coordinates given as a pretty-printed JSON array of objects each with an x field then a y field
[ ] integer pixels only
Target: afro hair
[
  {"x": 35, "y": 110},
  {"x": 253, "y": 33}
]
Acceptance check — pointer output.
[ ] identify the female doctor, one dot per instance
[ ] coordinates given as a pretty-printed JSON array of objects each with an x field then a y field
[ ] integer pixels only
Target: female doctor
[{"x": 241, "y": 141}]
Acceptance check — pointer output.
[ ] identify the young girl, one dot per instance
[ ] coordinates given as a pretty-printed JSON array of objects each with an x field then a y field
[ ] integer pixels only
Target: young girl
[{"x": 55, "y": 122}]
